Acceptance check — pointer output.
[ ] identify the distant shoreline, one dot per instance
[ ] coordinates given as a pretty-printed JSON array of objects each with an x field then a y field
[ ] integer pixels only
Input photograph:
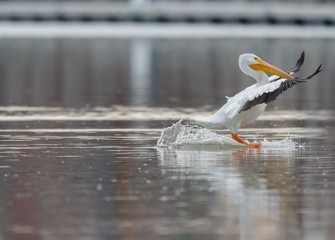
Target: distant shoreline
[
  {"x": 211, "y": 12},
  {"x": 149, "y": 30}
]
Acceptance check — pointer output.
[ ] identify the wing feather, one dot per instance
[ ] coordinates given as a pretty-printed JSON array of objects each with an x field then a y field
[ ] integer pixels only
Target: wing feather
[
  {"x": 294, "y": 70},
  {"x": 271, "y": 91},
  {"x": 263, "y": 96}
]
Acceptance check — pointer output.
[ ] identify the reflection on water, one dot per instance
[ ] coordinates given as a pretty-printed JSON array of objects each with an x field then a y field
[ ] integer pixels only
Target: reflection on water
[
  {"x": 74, "y": 178},
  {"x": 79, "y": 124},
  {"x": 154, "y": 72},
  {"x": 240, "y": 183}
]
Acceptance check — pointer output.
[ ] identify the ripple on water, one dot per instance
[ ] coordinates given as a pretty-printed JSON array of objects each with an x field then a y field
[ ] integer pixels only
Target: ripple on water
[{"x": 136, "y": 113}]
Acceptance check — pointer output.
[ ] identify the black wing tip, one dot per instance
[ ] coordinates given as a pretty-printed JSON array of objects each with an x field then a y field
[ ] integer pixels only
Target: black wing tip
[
  {"x": 318, "y": 70},
  {"x": 302, "y": 56},
  {"x": 301, "y": 60},
  {"x": 298, "y": 64}
]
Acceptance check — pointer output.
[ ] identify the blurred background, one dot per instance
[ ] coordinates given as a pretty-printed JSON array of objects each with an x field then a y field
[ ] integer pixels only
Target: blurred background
[
  {"x": 157, "y": 53},
  {"x": 87, "y": 86}
]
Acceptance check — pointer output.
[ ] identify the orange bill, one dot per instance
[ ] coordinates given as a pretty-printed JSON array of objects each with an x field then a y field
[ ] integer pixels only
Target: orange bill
[{"x": 268, "y": 68}]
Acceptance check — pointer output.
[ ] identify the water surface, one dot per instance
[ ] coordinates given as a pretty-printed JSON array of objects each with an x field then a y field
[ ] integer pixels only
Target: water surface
[{"x": 80, "y": 119}]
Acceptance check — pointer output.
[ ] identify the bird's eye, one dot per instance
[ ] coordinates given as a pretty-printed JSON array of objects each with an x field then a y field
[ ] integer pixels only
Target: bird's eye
[{"x": 256, "y": 58}]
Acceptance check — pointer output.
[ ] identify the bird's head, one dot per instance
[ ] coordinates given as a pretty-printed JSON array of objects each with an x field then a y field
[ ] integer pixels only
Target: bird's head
[{"x": 249, "y": 63}]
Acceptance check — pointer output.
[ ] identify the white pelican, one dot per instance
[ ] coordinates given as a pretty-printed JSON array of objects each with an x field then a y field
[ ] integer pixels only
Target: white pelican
[{"x": 250, "y": 103}]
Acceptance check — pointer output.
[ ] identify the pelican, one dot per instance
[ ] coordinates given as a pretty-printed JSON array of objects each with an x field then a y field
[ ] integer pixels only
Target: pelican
[{"x": 247, "y": 105}]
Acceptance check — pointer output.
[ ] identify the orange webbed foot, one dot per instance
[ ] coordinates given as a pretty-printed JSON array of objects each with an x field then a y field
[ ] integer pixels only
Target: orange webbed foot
[
  {"x": 240, "y": 140},
  {"x": 255, "y": 144}
]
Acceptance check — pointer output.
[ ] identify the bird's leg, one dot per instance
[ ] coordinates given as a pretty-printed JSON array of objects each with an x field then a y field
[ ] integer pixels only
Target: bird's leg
[{"x": 240, "y": 140}]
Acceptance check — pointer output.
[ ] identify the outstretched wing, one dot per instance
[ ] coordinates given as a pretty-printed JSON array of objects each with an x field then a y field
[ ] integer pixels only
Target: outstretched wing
[
  {"x": 294, "y": 70},
  {"x": 271, "y": 91}
]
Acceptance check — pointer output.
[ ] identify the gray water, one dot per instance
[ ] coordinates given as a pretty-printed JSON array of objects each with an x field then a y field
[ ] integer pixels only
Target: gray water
[{"x": 80, "y": 119}]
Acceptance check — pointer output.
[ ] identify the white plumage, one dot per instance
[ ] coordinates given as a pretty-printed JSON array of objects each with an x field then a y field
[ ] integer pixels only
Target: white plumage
[
  {"x": 228, "y": 115},
  {"x": 250, "y": 103}
]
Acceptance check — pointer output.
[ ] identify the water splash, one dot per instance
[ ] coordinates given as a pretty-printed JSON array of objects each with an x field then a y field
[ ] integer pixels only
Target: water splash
[
  {"x": 187, "y": 133},
  {"x": 284, "y": 143}
]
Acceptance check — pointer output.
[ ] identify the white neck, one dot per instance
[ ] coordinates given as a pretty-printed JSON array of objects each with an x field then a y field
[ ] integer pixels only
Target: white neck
[{"x": 259, "y": 76}]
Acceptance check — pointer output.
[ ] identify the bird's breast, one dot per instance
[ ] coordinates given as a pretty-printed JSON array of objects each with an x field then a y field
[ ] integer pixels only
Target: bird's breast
[{"x": 250, "y": 115}]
